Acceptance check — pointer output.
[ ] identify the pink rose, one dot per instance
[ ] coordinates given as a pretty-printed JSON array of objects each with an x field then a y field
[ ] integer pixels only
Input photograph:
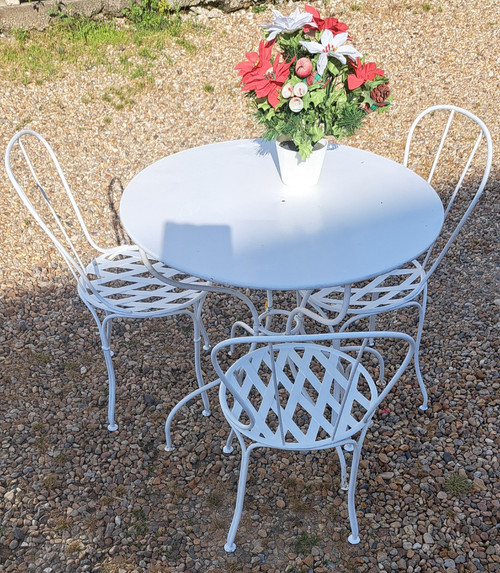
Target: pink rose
[{"x": 303, "y": 67}]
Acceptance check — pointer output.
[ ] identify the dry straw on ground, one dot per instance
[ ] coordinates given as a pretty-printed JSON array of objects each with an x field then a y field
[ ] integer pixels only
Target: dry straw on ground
[{"x": 76, "y": 498}]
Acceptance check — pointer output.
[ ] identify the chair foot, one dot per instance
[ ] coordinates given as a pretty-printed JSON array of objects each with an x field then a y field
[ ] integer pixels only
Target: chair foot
[
  {"x": 206, "y": 347},
  {"x": 348, "y": 447},
  {"x": 422, "y": 408},
  {"x": 206, "y": 413},
  {"x": 353, "y": 540},
  {"x": 112, "y": 427},
  {"x": 344, "y": 485},
  {"x": 227, "y": 449},
  {"x": 169, "y": 448},
  {"x": 230, "y": 547}
]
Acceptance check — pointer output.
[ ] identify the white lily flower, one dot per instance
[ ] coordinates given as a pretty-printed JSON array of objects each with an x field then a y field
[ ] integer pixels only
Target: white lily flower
[
  {"x": 281, "y": 23},
  {"x": 331, "y": 46}
]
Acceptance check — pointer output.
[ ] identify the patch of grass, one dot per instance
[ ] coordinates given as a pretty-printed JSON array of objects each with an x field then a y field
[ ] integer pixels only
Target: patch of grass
[
  {"x": 155, "y": 15},
  {"x": 259, "y": 9},
  {"x": 40, "y": 358},
  {"x": 140, "y": 524},
  {"x": 187, "y": 45},
  {"x": 71, "y": 366},
  {"x": 356, "y": 7},
  {"x": 51, "y": 481},
  {"x": 458, "y": 484},
  {"x": 305, "y": 542},
  {"x": 128, "y": 48},
  {"x": 426, "y": 6},
  {"x": 146, "y": 53},
  {"x": 215, "y": 499},
  {"x": 20, "y": 34},
  {"x": 218, "y": 524},
  {"x": 74, "y": 547},
  {"x": 41, "y": 444},
  {"x": 208, "y": 88},
  {"x": 119, "y": 97},
  {"x": 62, "y": 524},
  {"x": 232, "y": 567}
]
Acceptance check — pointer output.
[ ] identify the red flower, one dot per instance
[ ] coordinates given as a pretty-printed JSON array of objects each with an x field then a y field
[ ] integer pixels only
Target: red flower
[
  {"x": 362, "y": 73},
  {"x": 256, "y": 60},
  {"x": 262, "y": 76},
  {"x": 332, "y": 24}
]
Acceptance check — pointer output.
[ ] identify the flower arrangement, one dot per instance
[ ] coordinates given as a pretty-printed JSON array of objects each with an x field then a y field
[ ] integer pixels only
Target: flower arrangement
[{"x": 316, "y": 84}]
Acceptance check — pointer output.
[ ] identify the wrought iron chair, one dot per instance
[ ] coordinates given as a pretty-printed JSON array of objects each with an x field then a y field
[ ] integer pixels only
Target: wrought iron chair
[
  {"x": 305, "y": 392},
  {"x": 407, "y": 286},
  {"x": 115, "y": 283}
]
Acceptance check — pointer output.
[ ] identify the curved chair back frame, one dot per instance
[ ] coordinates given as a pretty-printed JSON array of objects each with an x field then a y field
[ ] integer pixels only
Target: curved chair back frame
[{"x": 483, "y": 133}]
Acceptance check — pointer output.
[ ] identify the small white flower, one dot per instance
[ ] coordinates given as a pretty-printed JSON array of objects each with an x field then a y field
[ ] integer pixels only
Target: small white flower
[
  {"x": 296, "y": 104},
  {"x": 280, "y": 23},
  {"x": 331, "y": 46},
  {"x": 300, "y": 89},
  {"x": 287, "y": 91}
]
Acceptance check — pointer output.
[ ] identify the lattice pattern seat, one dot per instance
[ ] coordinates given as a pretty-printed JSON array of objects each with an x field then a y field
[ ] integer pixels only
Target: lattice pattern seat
[
  {"x": 383, "y": 292},
  {"x": 120, "y": 281},
  {"x": 312, "y": 385}
]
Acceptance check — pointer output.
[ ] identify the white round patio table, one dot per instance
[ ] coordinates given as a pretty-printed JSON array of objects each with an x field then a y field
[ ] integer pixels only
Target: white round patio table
[{"x": 221, "y": 212}]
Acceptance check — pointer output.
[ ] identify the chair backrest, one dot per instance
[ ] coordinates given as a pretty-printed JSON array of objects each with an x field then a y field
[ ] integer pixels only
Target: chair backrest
[
  {"x": 309, "y": 391},
  {"x": 36, "y": 175},
  {"x": 452, "y": 149}
]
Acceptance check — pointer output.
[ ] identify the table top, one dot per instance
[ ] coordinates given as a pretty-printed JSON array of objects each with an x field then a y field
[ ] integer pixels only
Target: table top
[{"x": 221, "y": 212}]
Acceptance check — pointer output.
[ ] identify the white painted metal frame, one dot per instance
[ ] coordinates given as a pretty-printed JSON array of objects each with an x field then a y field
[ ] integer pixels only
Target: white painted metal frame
[
  {"x": 116, "y": 283},
  {"x": 407, "y": 286},
  {"x": 305, "y": 392}
]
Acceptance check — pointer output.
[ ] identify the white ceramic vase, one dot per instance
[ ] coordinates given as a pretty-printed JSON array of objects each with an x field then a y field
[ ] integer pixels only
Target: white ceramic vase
[{"x": 296, "y": 171}]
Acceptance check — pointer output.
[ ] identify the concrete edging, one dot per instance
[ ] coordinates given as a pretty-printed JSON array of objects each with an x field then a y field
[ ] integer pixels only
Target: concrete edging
[{"x": 35, "y": 15}]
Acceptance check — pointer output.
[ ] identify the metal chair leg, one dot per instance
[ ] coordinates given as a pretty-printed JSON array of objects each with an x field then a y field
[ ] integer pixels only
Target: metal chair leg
[
  {"x": 344, "y": 481},
  {"x": 416, "y": 360},
  {"x": 197, "y": 364},
  {"x": 105, "y": 333},
  {"x": 351, "y": 507},
  {"x": 230, "y": 546},
  {"x": 228, "y": 448}
]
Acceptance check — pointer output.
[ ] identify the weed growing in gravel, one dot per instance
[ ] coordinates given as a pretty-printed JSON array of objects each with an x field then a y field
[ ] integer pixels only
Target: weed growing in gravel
[
  {"x": 51, "y": 481},
  {"x": 140, "y": 524},
  {"x": 305, "y": 542},
  {"x": 458, "y": 484},
  {"x": 73, "y": 547},
  {"x": 215, "y": 499},
  {"x": 62, "y": 524}
]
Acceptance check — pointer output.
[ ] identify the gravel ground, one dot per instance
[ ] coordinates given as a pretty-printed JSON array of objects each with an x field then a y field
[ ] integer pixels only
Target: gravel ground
[{"x": 75, "y": 497}]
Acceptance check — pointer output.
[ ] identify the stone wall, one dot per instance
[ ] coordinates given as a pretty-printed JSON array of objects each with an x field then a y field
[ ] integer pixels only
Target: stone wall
[{"x": 35, "y": 14}]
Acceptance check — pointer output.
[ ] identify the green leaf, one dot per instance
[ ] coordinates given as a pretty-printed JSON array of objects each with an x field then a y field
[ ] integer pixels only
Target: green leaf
[{"x": 317, "y": 97}]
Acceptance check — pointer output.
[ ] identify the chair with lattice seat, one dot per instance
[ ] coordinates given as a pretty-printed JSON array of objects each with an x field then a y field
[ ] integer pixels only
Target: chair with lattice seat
[
  {"x": 305, "y": 392},
  {"x": 453, "y": 149},
  {"x": 116, "y": 283}
]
